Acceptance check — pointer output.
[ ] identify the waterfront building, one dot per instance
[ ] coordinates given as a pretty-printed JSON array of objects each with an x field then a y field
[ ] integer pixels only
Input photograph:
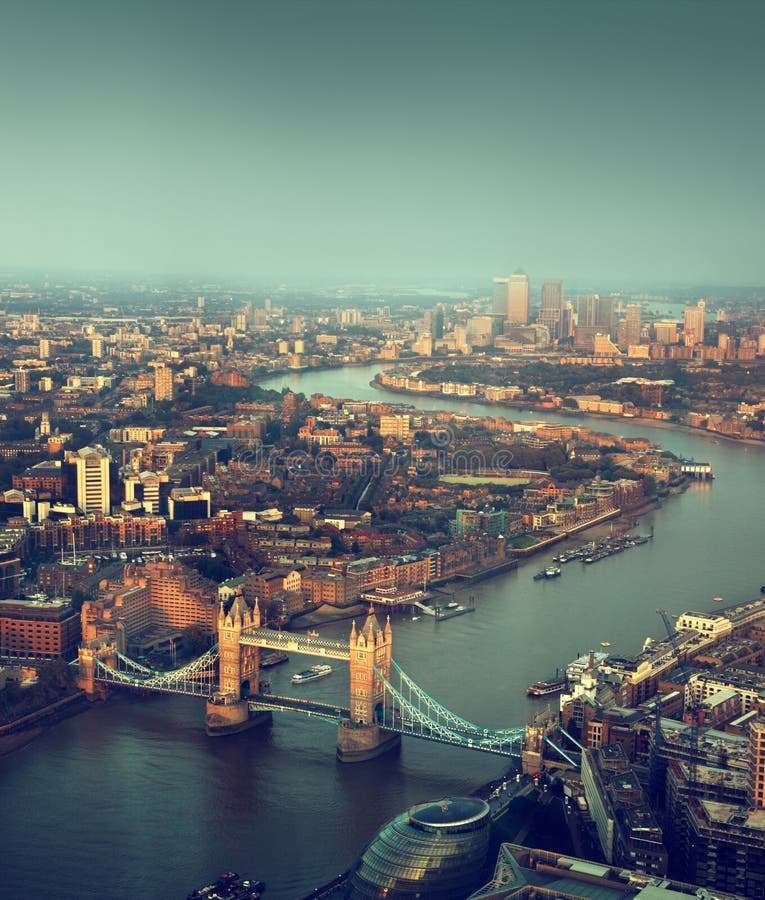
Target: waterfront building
[
  {"x": 523, "y": 873},
  {"x": 38, "y": 629},
  {"x": 435, "y": 849}
]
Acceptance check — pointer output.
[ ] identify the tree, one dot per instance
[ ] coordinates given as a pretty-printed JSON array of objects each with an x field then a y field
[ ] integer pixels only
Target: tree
[{"x": 195, "y": 639}]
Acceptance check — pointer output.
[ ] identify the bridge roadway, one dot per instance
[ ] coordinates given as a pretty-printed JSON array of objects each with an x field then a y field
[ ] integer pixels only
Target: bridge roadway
[
  {"x": 261, "y": 702},
  {"x": 295, "y": 643}
]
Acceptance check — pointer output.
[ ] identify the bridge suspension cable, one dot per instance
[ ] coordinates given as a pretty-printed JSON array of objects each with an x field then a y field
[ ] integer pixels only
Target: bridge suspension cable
[
  {"x": 198, "y": 678},
  {"x": 420, "y": 716}
]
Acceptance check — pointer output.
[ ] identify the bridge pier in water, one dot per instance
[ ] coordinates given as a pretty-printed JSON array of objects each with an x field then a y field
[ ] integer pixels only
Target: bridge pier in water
[{"x": 360, "y": 738}]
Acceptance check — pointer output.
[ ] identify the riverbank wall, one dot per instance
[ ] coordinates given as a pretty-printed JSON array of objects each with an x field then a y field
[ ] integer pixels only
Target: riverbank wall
[{"x": 21, "y": 731}]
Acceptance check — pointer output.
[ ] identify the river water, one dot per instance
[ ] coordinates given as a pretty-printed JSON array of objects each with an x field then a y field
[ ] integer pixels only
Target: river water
[{"x": 131, "y": 799}]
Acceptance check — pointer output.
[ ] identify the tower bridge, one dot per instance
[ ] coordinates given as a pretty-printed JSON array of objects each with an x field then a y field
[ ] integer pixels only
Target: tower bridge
[{"x": 384, "y": 702}]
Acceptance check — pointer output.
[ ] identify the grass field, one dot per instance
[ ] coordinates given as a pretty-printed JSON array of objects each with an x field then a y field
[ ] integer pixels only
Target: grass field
[{"x": 508, "y": 480}]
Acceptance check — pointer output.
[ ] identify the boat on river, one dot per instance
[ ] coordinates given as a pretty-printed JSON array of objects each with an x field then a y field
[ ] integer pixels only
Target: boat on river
[{"x": 319, "y": 671}]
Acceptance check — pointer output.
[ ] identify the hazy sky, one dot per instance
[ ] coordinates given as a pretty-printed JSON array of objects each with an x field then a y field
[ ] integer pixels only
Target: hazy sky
[{"x": 416, "y": 140}]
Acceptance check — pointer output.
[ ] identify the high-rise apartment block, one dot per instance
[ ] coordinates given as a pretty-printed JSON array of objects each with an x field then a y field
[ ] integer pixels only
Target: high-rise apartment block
[
  {"x": 163, "y": 383},
  {"x": 693, "y": 324},
  {"x": 92, "y": 464},
  {"x": 21, "y": 381}
]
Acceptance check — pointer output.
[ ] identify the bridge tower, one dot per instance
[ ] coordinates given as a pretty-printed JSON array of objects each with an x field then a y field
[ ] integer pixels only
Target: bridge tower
[
  {"x": 86, "y": 676},
  {"x": 370, "y": 648},
  {"x": 238, "y": 669}
]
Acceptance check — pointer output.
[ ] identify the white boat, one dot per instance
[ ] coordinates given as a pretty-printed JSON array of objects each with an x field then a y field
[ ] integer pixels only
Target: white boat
[{"x": 311, "y": 674}]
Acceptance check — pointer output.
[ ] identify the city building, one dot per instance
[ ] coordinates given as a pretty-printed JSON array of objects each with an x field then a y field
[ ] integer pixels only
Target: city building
[
  {"x": 500, "y": 296},
  {"x": 188, "y": 503},
  {"x": 21, "y": 381},
  {"x": 518, "y": 299},
  {"x": 628, "y": 832},
  {"x": 435, "y": 849},
  {"x": 551, "y": 310},
  {"x": 92, "y": 468},
  {"x": 38, "y": 629},
  {"x": 693, "y": 324},
  {"x": 163, "y": 384}
]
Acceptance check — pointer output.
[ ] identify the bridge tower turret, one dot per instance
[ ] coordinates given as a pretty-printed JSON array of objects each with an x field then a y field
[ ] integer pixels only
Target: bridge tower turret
[
  {"x": 238, "y": 670},
  {"x": 370, "y": 649},
  {"x": 239, "y": 665}
]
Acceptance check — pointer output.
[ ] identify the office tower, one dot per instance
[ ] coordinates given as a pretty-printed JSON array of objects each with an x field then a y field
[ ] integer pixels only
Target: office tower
[
  {"x": 499, "y": 303},
  {"x": 567, "y": 321},
  {"x": 693, "y": 324},
  {"x": 437, "y": 322},
  {"x": 551, "y": 311},
  {"x": 633, "y": 325},
  {"x": 21, "y": 381},
  {"x": 200, "y": 302},
  {"x": 163, "y": 383},
  {"x": 604, "y": 315},
  {"x": 92, "y": 467},
  {"x": 518, "y": 299},
  {"x": 586, "y": 310}
]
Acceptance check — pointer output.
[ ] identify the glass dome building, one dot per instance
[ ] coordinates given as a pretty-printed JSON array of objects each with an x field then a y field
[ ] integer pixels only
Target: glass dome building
[{"x": 436, "y": 850}]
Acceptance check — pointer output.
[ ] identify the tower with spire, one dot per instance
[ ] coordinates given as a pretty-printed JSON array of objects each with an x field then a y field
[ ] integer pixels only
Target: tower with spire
[
  {"x": 238, "y": 665},
  {"x": 370, "y": 648}
]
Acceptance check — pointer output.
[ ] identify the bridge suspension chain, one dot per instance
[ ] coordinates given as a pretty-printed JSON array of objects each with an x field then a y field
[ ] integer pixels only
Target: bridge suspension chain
[
  {"x": 407, "y": 717},
  {"x": 457, "y": 722}
]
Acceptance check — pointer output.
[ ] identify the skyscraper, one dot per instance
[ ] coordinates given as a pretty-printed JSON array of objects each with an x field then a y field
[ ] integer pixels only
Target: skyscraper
[
  {"x": 551, "y": 311},
  {"x": 499, "y": 304},
  {"x": 518, "y": 299},
  {"x": 633, "y": 325},
  {"x": 693, "y": 325}
]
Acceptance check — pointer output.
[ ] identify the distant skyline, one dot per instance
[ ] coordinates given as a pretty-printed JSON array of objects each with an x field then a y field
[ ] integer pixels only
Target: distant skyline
[{"x": 382, "y": 142}]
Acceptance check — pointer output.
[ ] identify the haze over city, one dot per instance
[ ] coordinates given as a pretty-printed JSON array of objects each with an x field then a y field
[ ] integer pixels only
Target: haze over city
[{"x": 427, "y": 141}]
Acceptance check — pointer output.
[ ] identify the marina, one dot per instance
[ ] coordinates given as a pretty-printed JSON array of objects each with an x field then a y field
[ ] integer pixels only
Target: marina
[{"x": 594, "y": 551}]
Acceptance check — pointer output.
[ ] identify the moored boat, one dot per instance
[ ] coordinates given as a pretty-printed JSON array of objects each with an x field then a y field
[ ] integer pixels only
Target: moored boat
[
  {"x": 273, "y": 658},
  {"x": 230, "y": 886},
  {"x": 544, "y": 688}
]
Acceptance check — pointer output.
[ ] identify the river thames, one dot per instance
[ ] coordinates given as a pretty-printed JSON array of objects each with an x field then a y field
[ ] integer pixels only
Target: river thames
[{"x": 132, "y": 800}]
